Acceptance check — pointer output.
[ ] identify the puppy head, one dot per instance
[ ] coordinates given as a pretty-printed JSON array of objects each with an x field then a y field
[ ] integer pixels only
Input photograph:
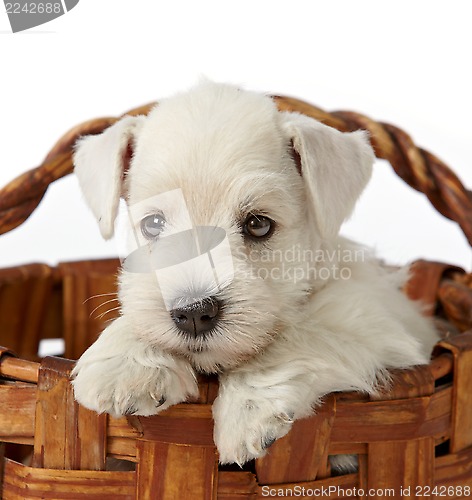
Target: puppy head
[{"x": 217, "y": 200}]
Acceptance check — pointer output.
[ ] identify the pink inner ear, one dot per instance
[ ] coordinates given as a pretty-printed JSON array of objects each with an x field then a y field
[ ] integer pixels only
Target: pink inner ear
[
  {"x": 126, "y": 156},
  {"x": 296, "y": 158}
]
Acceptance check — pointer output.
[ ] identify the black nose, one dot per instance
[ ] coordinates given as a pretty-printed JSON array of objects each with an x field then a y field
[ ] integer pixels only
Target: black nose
[{"x": 197, "y": 318}]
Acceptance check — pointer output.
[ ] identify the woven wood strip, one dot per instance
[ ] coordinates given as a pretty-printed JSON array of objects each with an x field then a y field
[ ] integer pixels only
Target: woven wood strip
[
  {"x": 89, "y": 302},
  {"x": 455, "y": 297},
  {"x": 24, "y": 483},
  {"x": 177, "y": 455},
  {"x": 17, "y": 407},
  {"x": 397, "y": 458},
  {"x": 66, "y": 436},
  {"x": 25, "y": 293},
  {"x": 425, "y": 280},
  {"x": 341, "y": 485},
  {"x": 301, "y": 455},
  {"x": 445, "y": 291},
  {"x": 17, "y": 369},
  {"x": 122, "y": 438},
  {"x": 51, "y": 447},
  {"x": 455, "y": 469},
  {"x": 5, "y": 351},
  {"x": 419, "y": 168},
  {"x": 461, "y": 348},
  {"x": 168, "y": 471}
]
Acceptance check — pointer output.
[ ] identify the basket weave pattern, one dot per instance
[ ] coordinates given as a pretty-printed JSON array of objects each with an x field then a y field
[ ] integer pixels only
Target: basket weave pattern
[{"x": 417, "y": 435}]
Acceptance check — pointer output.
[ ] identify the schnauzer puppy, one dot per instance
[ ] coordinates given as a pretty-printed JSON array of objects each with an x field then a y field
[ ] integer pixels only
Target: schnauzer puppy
[{"x": 237, "y": 268}]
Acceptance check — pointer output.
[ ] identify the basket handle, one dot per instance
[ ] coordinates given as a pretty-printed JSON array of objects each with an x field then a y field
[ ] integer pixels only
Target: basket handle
[{"x": 417, "y": 167}]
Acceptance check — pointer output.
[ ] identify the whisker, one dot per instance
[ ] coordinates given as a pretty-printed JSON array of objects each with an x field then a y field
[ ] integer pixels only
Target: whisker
[
  {"x": 98, "y": 295},
  {"x": 108, "y": 311},
  {"x": 103, "y": 304}
]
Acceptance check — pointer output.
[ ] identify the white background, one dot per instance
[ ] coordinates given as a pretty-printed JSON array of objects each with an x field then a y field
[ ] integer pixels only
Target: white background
[{"x": 403, "y": 62}]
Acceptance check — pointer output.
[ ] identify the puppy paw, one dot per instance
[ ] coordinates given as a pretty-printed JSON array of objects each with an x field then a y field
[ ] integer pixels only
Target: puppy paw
[
  {"x": 245, "y": 427},
  {"x": 121, "y": 386},
  {"x": 120, "y": 375}
]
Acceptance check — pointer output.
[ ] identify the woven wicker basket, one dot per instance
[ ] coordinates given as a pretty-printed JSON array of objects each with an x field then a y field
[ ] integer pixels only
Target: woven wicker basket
[{"x": 416, "y": 440}]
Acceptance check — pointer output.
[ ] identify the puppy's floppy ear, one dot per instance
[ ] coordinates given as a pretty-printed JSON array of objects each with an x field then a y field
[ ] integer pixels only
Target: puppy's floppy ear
[
  {"x": 335, "y": 167},
  {"x": 101, "y": 162}
]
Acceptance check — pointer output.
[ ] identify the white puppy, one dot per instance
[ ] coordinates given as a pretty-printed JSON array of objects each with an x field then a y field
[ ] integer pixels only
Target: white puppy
[{"x": 238, "y": 268}]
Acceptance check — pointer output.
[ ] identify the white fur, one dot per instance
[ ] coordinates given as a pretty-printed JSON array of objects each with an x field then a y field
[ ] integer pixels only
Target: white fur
[
  {"x": 283, "y": 340},
  {"x": 102, "y": 169}
]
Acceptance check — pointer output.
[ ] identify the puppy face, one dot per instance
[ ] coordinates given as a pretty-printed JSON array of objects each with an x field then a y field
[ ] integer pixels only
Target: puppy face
[{"x": 217, "y": 203}]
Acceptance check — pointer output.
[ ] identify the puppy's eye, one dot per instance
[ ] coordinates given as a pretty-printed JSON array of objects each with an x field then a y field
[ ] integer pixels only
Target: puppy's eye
[
  {"x": 152, "y": 226},
  {"x": 258, "y": 226}
]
